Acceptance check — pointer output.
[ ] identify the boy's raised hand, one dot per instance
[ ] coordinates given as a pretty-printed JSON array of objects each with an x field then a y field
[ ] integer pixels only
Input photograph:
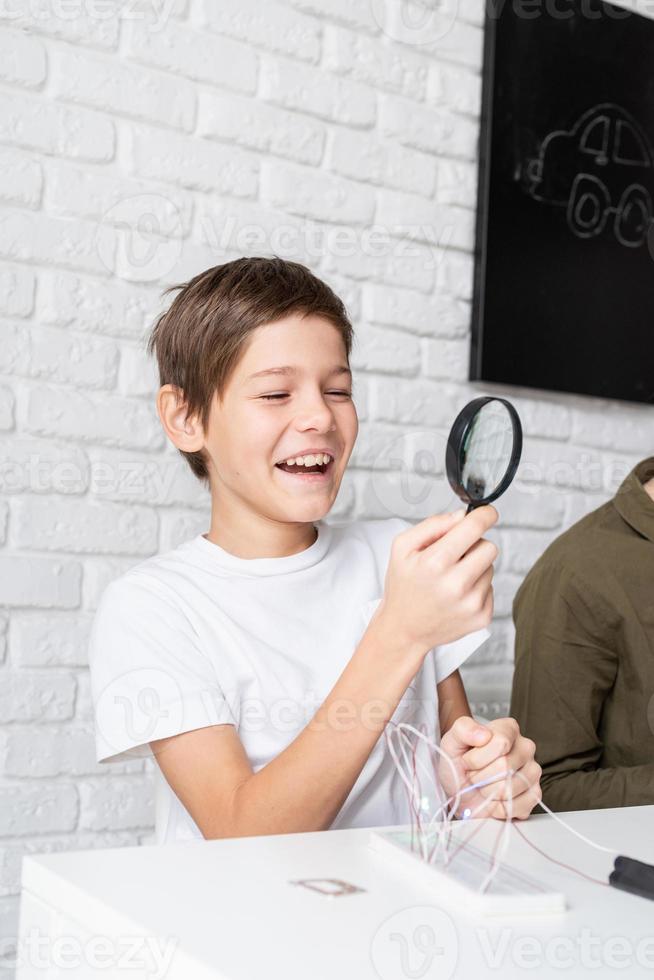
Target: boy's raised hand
[
  {"x": 479, "y": 752},
  {"x": 438, "y": 580}
]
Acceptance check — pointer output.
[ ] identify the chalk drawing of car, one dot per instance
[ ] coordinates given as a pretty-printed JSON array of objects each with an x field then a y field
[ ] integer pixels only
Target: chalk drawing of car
[{"x": 602, "y": 167}]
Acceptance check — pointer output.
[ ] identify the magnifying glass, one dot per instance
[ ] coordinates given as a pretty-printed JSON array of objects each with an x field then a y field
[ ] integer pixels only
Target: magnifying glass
[{"x": 483, "y": 450}]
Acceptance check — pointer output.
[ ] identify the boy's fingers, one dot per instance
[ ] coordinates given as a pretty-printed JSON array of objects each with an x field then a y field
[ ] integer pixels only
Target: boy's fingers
[
  {"x": 505, "y": 732},
  {"x": 476, "y": 562},
  {"x": 519, "y": 808},
  {"x": 500, "y": 811},
  {"x": 522, "y": 781},
  {"x": 464, "y": 733},
  {"x": 453, "y": 545},
  {"x": 431, "y": 529}
]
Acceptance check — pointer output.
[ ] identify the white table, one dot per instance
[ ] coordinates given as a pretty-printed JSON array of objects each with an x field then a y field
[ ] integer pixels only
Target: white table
[{"x": 226, "y": 910}]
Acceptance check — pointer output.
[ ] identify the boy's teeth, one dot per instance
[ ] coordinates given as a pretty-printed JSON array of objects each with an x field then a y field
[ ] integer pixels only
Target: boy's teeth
[{"x": 318, "y": 459}]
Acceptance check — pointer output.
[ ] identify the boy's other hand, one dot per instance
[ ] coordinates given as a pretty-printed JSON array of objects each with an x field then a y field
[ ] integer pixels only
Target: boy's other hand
[{"x": 481, "y": 751}]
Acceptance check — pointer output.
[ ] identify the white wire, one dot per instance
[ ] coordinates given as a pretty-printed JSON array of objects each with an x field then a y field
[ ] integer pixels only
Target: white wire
[
  {"x": 443, "y": 825},
  {"x": 401, "y": 728},
  {"x": 501, "y": 850},
  {"x": 480, "y": 806},
  {"x": 577, "y": 833},
  {"x": 479, "y": 785},
  {"x": 405, "y": 725},
  {"x": 408, "y": 727},
  {"x": 423, "y": 835},
  {"x": 410, "y": 785}
]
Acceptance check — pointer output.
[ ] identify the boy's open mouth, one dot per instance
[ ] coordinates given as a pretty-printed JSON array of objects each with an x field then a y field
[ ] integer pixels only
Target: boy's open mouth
[{"x": 317, "y": 468}]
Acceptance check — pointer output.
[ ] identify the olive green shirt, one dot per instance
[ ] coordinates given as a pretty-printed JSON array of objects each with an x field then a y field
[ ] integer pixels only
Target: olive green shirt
[{"x": 583, "y": 687}]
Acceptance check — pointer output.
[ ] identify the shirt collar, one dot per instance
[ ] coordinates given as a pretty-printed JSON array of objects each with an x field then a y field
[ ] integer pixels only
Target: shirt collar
[{"x": 632, "y": 501}]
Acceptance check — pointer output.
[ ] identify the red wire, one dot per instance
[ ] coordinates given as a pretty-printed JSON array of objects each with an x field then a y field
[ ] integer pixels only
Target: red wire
[{"x": 568, "y": 867}]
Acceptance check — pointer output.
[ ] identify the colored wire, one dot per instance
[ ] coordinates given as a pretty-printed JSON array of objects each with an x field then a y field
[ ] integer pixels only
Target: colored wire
[
  {"x": 402, "y": 728},
  {"x": 438, "y": 826},
  {"x": 577, "y": 833},
  {"x": 561, "y": 864}
]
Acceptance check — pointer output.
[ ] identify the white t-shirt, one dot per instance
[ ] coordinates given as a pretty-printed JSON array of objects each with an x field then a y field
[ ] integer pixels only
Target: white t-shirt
[{"x": 197, "y": 637}]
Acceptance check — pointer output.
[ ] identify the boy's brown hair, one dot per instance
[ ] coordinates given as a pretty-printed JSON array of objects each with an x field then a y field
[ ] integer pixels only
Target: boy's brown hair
[{"x": 198, "y": 340}]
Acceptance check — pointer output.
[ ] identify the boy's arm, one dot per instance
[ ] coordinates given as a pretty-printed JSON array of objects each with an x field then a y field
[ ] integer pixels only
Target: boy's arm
[
  {"x": 304, "y": 787},
  {"x": 452, "y": 701}
]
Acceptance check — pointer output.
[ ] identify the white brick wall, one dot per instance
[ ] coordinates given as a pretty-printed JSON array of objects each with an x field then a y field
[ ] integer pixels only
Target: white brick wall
[{"x": 335, "y": 132}]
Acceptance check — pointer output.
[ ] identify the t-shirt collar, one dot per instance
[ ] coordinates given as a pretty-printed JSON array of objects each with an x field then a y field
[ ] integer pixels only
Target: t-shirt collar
[
  {"x": 632, "y": 501},
  {"x": 266, "y": 566}
]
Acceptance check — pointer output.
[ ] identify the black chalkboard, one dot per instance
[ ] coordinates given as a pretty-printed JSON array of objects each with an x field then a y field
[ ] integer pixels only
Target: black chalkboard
[{"x": 564, "y": 263}]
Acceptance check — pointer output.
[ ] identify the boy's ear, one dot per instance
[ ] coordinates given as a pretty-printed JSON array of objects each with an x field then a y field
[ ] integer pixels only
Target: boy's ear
[{"x": 184, "y": 431}]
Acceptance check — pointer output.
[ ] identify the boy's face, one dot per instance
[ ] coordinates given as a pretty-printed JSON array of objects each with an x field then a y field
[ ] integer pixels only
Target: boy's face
[{"x": 249, "y": 432}]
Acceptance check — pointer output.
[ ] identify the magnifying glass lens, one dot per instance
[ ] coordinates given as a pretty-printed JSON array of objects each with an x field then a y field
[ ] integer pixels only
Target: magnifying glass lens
[{"x": 483, "y": 450}]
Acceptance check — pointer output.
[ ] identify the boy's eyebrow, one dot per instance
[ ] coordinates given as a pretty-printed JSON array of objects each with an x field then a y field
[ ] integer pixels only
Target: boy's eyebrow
[{"x": 288, "y": 369}]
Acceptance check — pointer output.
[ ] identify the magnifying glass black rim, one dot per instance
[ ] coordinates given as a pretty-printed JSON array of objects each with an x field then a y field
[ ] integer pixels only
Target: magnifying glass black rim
[{"x": 457, "y": 434}]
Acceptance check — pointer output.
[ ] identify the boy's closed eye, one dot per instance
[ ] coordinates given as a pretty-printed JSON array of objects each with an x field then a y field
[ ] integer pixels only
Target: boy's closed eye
[{"x": 277, "y": 395}]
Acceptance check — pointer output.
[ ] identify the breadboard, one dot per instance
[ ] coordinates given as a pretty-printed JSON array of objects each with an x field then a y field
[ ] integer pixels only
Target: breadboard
[{"x": 510, "y": 892}]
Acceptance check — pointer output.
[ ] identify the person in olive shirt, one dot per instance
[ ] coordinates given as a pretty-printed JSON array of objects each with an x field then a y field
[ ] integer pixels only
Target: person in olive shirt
[{"x": 583, "y": 687}]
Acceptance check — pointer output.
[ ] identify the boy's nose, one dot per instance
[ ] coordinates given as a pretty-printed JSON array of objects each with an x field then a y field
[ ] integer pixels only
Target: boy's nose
[{"x": 316, "y": 415}]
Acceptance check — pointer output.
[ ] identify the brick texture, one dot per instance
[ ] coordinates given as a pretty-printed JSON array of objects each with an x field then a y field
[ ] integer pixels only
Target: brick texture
[{"x": 138, "y": 149}]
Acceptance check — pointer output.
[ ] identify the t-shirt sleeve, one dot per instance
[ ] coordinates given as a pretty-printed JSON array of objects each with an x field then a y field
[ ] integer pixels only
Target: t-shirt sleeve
[
  {"x": 150, "y": 679},
  {"x": 448, "y": 657}
]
